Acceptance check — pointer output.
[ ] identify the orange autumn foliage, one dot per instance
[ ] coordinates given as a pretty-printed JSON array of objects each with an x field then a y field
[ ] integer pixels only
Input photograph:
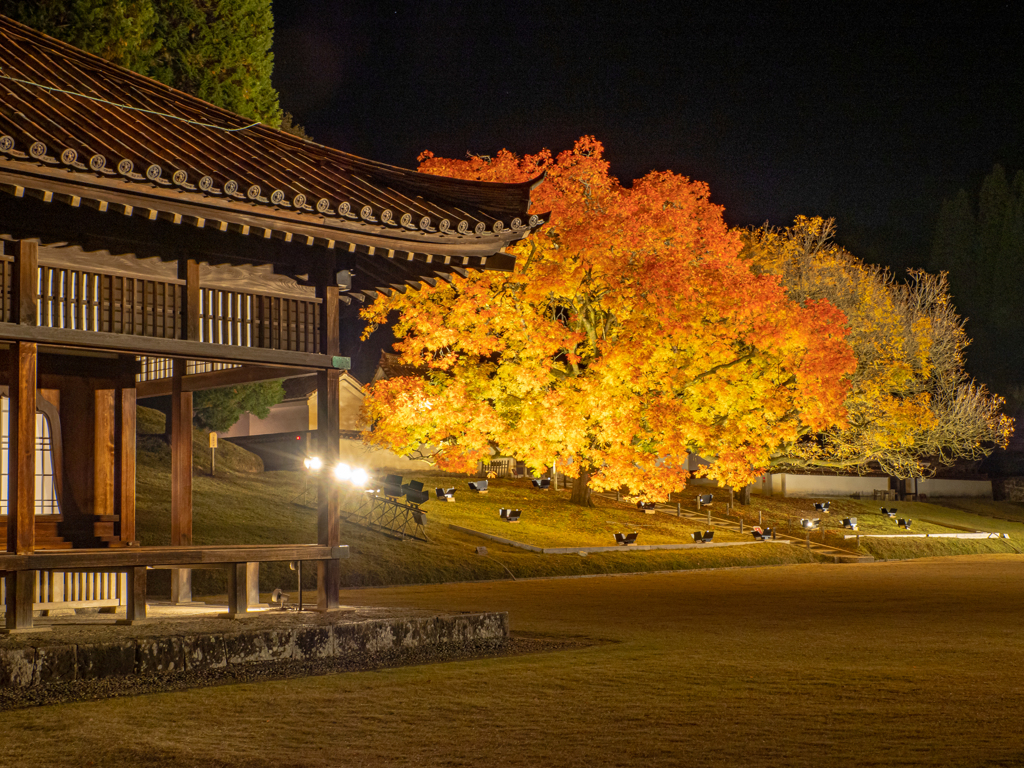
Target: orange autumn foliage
[{"x": 629, "y": 334}]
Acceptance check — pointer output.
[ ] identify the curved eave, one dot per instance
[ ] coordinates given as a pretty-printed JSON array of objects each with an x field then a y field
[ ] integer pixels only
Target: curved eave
[{"x": 20, "y": 178}]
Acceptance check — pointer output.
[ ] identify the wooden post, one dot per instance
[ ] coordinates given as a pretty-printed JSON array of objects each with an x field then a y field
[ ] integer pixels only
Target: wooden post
[
  {"x": 21, "y": 493},
  {"x": 21, "y": 446},
  {"x": 181, "y": 480},
  {"x": 328, "y": 444},
  {"x": 20, "y": 589},
  {"x": 124, "y": 457},
  {"x": 253, "y": 578},
  {"x": 25, "y": 278},
  {"x": 238, "y": 591},
  {"x": 135, "y": 609},
  {"x": 188, "y": 270},
  {"x": 328, "y": 492},
  {"x": 181, "y": 434},
  {"x": 104, "y": 453}
]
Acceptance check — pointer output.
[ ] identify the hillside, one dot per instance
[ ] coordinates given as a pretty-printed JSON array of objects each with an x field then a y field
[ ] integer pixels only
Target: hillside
[{"x": 244, "y": 505}]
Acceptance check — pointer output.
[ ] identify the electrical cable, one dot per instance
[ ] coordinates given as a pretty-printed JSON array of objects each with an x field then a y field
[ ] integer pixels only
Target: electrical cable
[{"x": 186, "y": 120}]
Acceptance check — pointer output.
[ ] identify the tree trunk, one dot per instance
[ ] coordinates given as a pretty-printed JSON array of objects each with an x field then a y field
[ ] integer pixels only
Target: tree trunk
[
  {"x": 744, "y": 496},
  {"x": 581, "y": 490}
]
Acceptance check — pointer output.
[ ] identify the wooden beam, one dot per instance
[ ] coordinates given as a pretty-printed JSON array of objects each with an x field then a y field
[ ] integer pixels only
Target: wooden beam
[
  {"x": 229, "y": 377},
  {"x": 130, "y": 557},
  {"x": 181, "y": 480},
  {"x": 329, "y": 494},
  {"x": 242, "y": 216},
  {"x": 21, "y": 480},
  {"x": 146, "y": 345}
]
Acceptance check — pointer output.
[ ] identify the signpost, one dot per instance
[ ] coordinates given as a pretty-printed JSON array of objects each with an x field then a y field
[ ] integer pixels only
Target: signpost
[{"x": 213, "y": 452}]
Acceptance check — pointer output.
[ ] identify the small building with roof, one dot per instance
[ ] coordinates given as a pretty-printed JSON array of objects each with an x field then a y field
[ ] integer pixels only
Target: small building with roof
[{"x": 154, "y": 244}]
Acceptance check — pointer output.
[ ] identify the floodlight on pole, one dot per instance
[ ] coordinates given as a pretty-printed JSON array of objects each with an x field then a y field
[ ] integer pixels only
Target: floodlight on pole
[
  {"x": 342, "y": 471},
  {"x": 313, "y": 463}
]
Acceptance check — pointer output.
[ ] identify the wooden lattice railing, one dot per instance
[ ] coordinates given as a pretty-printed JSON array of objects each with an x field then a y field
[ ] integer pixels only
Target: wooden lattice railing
[{"x": 110, "y": 303}]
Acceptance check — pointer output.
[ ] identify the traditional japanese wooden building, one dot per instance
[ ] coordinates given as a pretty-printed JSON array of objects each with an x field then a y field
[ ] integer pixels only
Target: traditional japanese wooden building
[{"x": 153, "y": 242}]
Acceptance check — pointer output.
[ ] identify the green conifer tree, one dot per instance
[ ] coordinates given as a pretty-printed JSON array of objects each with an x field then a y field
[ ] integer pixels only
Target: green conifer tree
[
  {"x": 218, "y": 50},
  {"x": 121, "y": 31},
  {"x": 984, "y": 256}
]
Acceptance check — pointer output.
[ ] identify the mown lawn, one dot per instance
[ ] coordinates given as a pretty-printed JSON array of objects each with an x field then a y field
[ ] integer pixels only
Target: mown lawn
[{"x": 911, "y": 664}]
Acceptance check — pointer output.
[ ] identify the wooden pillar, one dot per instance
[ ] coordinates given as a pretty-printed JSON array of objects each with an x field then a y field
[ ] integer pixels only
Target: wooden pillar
[
  {"x": 181, "y": 434},
  {"x": 328, "y": 445},
  {"x": 21, "y": 473},
  {"x": 21, "y": 481},
  {"x": 21, "y": 445},
  {"x": 124, "y": 457},
  {"x": 104, "y": 453},
  {"x": 181, "y": 480}
]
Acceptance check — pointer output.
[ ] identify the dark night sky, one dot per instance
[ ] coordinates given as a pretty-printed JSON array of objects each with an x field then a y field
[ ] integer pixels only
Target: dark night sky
[{"x": 868, "y": 116}]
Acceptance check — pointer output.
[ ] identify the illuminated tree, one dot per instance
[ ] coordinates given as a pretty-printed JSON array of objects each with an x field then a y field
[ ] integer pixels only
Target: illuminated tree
[
  {"x": 629, "y": 334},
  {"x": 910, "y": 404}
]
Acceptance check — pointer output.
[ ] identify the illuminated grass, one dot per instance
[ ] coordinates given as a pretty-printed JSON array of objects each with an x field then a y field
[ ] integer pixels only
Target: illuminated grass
[{"x": 550, "y": 520}]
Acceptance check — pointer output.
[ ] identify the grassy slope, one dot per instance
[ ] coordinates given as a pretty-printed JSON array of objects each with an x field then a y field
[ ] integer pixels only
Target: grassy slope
[
  {"x": 239, "y": 506},
  {"x": 242, "y": 505},
  {"x": 931, "y": 517}
]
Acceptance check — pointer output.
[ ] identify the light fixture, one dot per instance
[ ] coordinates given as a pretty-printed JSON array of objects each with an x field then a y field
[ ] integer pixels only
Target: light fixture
[
  {"x": 359, "y": 477},
  {"x": 342, "y": 471},
  {"x": 313, "y": 463}
]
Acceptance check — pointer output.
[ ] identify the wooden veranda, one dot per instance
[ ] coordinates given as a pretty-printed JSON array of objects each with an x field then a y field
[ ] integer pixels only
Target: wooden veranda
[{"x": 153, "y": 242}]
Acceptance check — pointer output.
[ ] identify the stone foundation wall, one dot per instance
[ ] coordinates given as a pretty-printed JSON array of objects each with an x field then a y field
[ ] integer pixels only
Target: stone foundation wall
[{"x": 40, "y": 664}]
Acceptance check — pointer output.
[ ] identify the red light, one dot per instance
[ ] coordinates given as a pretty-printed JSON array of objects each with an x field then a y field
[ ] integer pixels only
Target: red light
[{"x": 298, "y": 437}]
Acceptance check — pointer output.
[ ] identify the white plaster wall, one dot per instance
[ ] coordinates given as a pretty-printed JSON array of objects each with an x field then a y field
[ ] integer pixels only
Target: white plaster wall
[
  {"x": 290, "y": 416},
  {"x": 819, "y": 485},
  {"x": 350, "y": 401},
  {"x": 941, "y": 487}
]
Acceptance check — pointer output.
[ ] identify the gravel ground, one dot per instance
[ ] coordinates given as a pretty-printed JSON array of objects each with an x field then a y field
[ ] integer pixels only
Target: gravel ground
[{"x": 90, "y": 690}]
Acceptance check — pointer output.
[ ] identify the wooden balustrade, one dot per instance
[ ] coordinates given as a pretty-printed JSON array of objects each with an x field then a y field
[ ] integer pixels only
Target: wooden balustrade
[{"x": 84, "y": 300}]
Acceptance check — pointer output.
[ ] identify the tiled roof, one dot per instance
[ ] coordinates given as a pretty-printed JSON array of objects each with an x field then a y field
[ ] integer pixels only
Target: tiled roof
[
  {"x": 76, "y": 117},
  {"x": 391, "y": 367}
]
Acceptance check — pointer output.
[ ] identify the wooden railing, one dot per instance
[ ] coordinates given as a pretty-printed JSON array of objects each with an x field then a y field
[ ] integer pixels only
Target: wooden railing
[
  {"x": 253, "y": 320},
  {"x": 93, "y": 301},
  {"x": 65, "y": 589},
  {"x": 109, "y": 303}
]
